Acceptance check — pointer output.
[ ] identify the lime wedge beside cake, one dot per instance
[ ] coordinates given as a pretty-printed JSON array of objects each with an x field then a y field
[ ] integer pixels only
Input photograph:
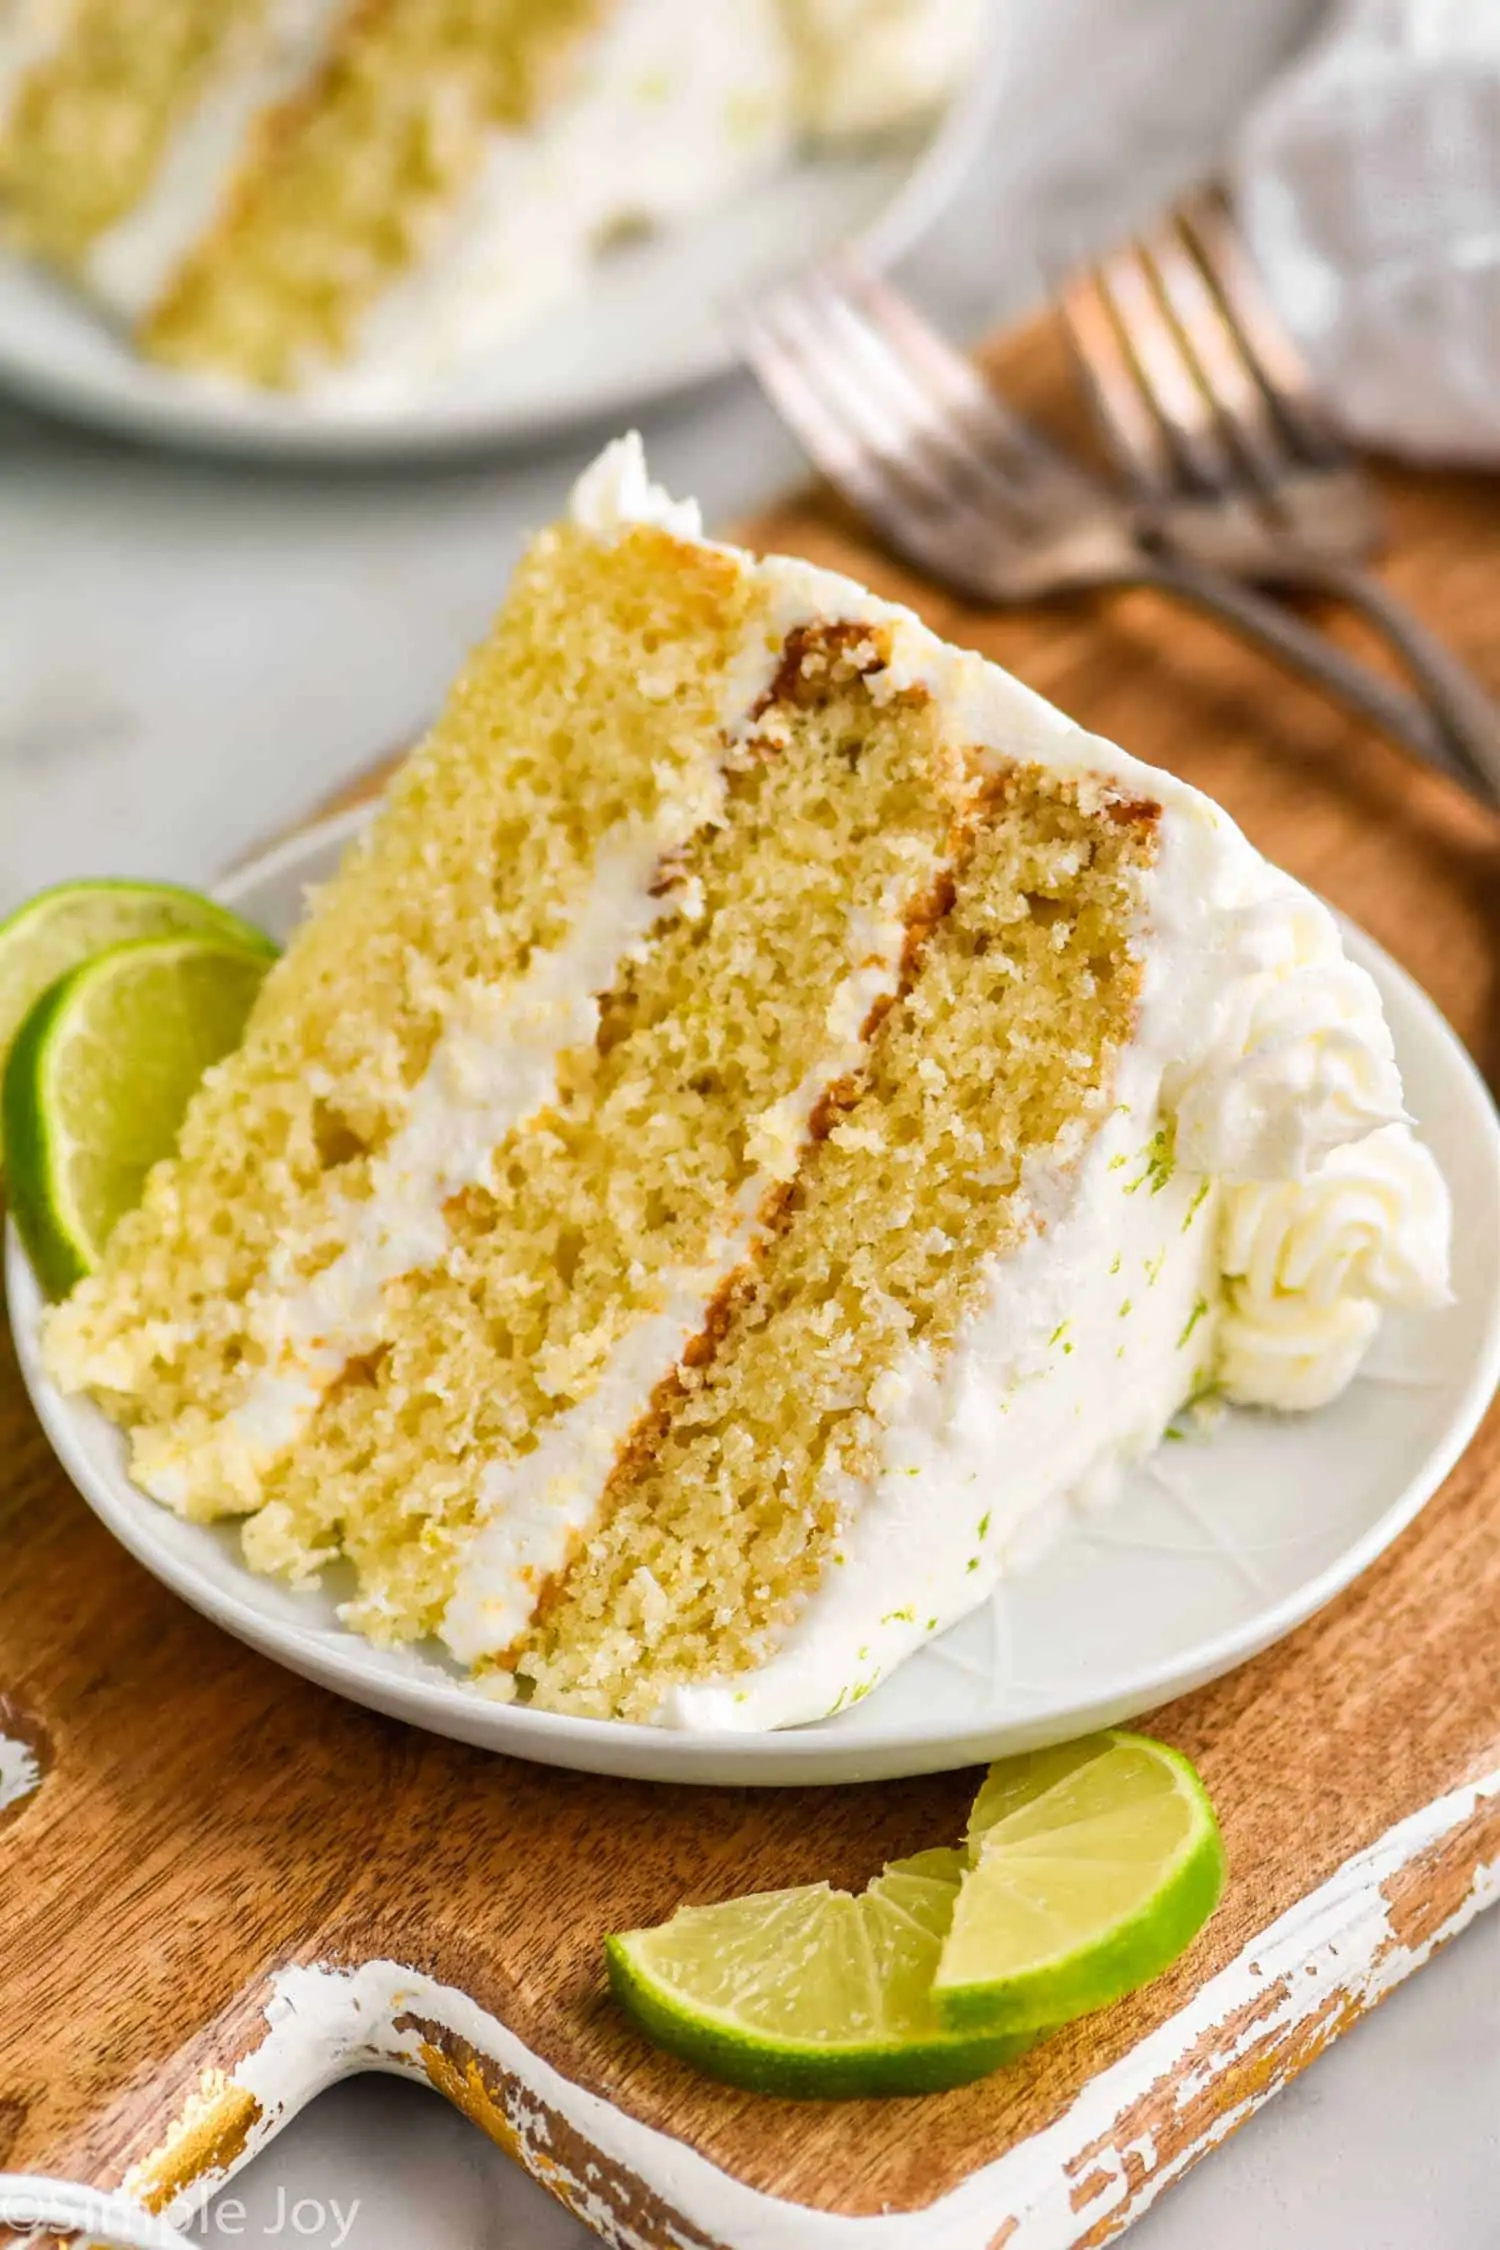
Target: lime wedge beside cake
[
  {"x": 62, "y": 927},
  {"x": 99, "y": 1077}
]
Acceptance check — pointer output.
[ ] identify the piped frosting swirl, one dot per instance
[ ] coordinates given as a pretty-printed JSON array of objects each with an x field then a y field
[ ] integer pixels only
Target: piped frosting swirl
[{"x": 1309, "y": 1265}]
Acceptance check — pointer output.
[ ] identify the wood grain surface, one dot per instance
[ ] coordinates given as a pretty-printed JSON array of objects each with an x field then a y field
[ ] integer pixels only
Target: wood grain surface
[{"x": 204, "y": 1819}]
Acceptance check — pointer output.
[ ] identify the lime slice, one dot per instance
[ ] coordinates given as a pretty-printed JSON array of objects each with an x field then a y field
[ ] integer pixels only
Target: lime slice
[
  {"x": 60, "y": 928},
  {"x": 1093, "y": 1866},
  {"x": 810, "y": 1991},
  {"x": 97, "y": 1082}
]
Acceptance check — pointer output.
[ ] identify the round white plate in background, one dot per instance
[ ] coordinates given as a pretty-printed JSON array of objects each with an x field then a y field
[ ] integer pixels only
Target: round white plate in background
[
  {"x": 1219, "y": 1546},
  {"x": 650, "y": 322}
]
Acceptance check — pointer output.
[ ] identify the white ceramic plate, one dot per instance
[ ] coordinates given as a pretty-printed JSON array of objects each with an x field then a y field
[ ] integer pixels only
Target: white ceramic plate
[
  {"x": 649, "y": 323},
  {"x": 1219, "y": 1547}
]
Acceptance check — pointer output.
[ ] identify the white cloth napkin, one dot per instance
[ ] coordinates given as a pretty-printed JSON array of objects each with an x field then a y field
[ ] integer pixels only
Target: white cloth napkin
[{"x": 1369, "y": 185}]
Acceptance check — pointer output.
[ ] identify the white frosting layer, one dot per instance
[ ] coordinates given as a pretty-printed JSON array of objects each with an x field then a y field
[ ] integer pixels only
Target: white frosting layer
[
  {"x": 494, "y": 1067},
  {"x": 31, "y": 31},
  {"x": 1294, "y": 1058},
  {"x": 1259, "y": 1136},
  {"x": 616, "y": 492},
  {"x": 130, "y": 266}
]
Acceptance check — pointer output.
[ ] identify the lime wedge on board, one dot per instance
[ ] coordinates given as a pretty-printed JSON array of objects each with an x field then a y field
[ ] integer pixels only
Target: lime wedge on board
[
  {"x": 810, "y": 1991},
  {"x": 1094, "y": 1865}
]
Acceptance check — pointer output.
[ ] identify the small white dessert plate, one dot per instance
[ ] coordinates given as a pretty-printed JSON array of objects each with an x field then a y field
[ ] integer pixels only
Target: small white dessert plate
[
  {"x": 650, "y": 322},
  {"x": 1218, "y": 1547}
]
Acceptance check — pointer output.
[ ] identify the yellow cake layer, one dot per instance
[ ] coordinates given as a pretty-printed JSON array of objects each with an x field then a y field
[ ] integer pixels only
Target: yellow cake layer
[
  {"x": 558, "y": 735},
  {"x": 1005, "y": 1049},
  {"x": 92, "y": 121},
  {"x": 842, "y": 814},
  {"x": 352, "y": 177}
]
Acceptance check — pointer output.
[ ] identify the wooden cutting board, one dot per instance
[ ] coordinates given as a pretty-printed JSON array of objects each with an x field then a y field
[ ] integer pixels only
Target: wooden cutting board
[{"x": 228, "y": 1887}]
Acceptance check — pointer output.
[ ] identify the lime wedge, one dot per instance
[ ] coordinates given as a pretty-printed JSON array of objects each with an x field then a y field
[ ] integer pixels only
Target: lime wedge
[
  {"x": 98, "y": 1079},
  {"x": 55, "y": 931},
  {"x": 810, "y": 1991},
  {"x": 1093, "y": 1866}
]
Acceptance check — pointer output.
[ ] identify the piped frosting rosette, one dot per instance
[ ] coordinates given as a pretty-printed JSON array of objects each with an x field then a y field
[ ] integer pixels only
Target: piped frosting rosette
[
  {"x": 1331, "y": 1209},
  {"x": 1310, "y": 1265}
]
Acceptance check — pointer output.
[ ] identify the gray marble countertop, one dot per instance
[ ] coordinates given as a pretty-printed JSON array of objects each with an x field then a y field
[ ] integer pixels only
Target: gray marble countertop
[{"x": 191, "y": 654}]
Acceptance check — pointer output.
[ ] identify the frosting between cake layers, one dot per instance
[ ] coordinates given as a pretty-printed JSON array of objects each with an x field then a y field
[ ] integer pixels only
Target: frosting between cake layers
[
  {"x": 671, "y": 108},
  {"x": 31, "y": 32},
  {"x": 1285, "y": 1198},
  {"x": 533, "y": 1510},
  {"x": 130, "y": 265},
  {"x": 494, "y": 1066}
]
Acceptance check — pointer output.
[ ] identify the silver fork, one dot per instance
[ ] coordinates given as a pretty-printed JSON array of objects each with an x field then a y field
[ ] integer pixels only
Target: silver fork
[
  {"x": 910, "y": 433},
  {"x": 1204, "y": 400}
]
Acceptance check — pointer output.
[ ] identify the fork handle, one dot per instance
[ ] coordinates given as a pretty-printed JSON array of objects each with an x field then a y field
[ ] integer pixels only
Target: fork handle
[
  {"x": 1464, "y": 709},
  {"x": 1303, "y": 649}
]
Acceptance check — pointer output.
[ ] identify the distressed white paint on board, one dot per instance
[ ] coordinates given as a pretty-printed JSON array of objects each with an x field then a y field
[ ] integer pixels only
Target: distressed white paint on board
[
  {"x": 1337, "y": 1944},
  {"x": 20, "y": 1773}
]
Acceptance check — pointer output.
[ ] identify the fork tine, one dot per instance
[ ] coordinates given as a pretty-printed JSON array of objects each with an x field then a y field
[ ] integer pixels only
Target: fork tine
[
  {"x": 1153, "y": 353},
  {"x": 946, "y": 374},
  {"x": 807, "y": 379},
  {"x": 1121, "y": 413},
  {"x": 878, "y": 330},
  {"x": 921, "y": 443},
  {"x": 833, "y": 445},
  {"x": 1258, "y": 329},
  {"x": 834, "y": 358},
  {"x": 1218, "y": 356},
  {"x": 1043, "y": 483}
]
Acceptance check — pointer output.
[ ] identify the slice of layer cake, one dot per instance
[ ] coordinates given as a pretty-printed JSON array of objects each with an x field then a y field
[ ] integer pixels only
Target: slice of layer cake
[
  {"x": 769, "y": 1114},
  {"x": 281, "y": 191}
]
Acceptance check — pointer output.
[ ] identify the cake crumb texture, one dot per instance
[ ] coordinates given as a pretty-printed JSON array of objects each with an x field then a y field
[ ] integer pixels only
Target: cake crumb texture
[
  {"x": 558, "y": 734},
  {"x": 1002, "y": 1053},
  {"x": 92, "y": 121},
  {"x": 351, "y": 178}
]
